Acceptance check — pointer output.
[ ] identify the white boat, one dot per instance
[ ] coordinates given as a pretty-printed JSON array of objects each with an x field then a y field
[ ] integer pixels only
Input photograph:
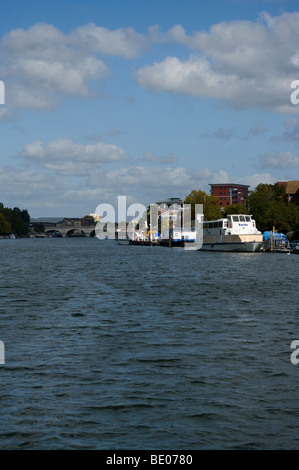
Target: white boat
[
  {"x": 179, "y": 237},
  {"x": 236, "y": 232}
]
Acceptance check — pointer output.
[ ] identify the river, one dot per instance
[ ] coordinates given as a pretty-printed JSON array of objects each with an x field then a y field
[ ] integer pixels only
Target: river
[{"x": 129, "y": 347}]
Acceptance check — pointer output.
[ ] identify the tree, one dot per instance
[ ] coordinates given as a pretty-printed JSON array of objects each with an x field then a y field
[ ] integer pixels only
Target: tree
[
  {"x": 25, "y": 216},
  {"x": 5, "y": 227},
  {"x": 39, "y": 227},
  {"x": 235, "y": 209},
  {"x": 269, "y": 209},
  {"x": 88, "y": 221},
  {"x": 210, "y": 207},
  {"x": 15, "y": 220},
  {"x": 294, "y": 234}
]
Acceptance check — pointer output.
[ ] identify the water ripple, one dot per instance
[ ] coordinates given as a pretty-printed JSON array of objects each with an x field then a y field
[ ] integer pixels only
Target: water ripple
[{"x": 118, "y": 347}]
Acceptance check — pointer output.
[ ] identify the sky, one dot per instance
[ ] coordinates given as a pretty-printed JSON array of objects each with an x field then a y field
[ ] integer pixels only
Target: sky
[{"x": 148, "y": 99}]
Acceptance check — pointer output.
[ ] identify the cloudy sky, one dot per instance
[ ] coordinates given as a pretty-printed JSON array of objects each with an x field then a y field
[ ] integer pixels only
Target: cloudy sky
[{"x": 144, "y": 98}]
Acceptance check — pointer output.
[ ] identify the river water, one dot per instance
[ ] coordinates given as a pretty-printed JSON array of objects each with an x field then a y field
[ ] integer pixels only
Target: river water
[{"x": 128, "y": 347}]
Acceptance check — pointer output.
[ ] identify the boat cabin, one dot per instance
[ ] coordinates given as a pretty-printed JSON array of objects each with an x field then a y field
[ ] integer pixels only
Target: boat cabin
[{"x": 231, "y": 225}]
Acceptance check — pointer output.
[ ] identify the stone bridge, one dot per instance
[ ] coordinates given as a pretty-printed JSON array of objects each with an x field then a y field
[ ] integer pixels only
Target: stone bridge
[{"x": 70, "y": 231}]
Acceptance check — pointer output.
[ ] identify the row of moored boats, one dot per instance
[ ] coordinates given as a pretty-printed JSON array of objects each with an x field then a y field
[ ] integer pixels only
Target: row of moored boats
[{"x": 236, "y": 232}]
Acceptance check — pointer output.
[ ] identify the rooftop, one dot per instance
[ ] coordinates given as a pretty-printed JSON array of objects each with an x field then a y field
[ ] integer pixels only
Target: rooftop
[
  {"x": 292, "y": 187},
  {"x": 230, "y": 184}
]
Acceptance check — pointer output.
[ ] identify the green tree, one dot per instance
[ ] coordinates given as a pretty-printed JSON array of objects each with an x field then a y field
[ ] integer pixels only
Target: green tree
[
  {"x": 15, "y": 220},
  {"x": 25, "y": 216},
  {"x": 5, "y": 227},
  {"x": 269, "y": 208},
  {"x": 294, "y": 235},
  {"x": 39, "y": 227},
  {"x": 235, "y": 209},
  {"x": 88, "y": 220},
  {"x": 210, "y": 207}
]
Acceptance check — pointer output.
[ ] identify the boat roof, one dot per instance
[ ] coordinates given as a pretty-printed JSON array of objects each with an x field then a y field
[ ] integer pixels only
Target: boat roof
[{"x": 229, "y": 215}]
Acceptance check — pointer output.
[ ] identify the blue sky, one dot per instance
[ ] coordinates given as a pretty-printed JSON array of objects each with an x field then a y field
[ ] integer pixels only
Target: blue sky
[{"x": 148, "y": 99}]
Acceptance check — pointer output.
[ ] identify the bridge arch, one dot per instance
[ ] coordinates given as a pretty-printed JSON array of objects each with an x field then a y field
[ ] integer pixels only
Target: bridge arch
[
  {"x": 52, "y": 232},
  {"x": 75, "y": 232},
  {"x": 70, "y": 231}
]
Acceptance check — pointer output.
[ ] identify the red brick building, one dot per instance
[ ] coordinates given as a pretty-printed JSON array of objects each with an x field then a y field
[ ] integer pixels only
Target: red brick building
[{"x": 228, "y": 194}]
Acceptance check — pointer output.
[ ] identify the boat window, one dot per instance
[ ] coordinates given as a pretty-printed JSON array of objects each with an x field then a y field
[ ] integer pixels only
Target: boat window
[
  {"x": 242, "y": 218},
  {"x": 235, "y": 218},
  {"x": 247, "y": 217}
]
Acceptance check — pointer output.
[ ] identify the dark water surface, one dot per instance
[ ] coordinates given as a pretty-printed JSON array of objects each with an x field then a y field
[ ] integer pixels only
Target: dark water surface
[{"x": 126, "y": 347}]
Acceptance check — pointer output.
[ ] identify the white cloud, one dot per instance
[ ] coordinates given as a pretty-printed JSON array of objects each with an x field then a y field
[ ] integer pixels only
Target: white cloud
[
  {"x": 145, "y": 178},
  {"x": 68, "y": 158},
  {"x": 247, "y": 64},
  {"x": 279, "y": 160},
  {"x": 193, "y": 76},
  {"x": 20, "y": 187},
  {"x": 122, "y": 42},
  {"x": 164, "y": 182},
  {"x": 255, "y": 179},
  {"x": 41, "y": 64},
  {"x": 42, "y": 193}
]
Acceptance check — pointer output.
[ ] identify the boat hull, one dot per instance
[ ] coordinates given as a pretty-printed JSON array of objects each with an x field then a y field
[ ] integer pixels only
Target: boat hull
[{"x": 248, "y": 247}]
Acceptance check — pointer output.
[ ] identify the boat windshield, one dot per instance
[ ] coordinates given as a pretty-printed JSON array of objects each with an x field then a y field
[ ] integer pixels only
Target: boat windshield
[{"x": 241, "y": 218}]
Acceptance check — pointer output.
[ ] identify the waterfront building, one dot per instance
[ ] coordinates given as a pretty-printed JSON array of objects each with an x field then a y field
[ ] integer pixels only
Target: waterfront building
[
  {"x": 173, "y": 202},
  {"x": 228, "y": 194}
]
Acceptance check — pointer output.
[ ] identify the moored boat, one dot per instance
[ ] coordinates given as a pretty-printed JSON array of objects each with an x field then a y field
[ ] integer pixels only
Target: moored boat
[
  {"x": 179, "y": 237},
  {"x": 295, "y": 247},
  {"x": 236, "y": 232}
]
